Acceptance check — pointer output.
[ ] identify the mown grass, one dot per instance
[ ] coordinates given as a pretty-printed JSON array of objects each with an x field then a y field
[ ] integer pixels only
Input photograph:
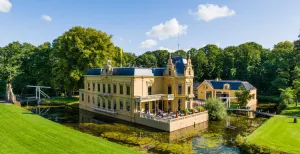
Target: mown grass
[
  {"x": 279, "y": 133},
  {"x": 292, "y": 110},
  {"x": 24, "y": 132},
  {"x": 72, "y": 102},
  {"x": 64, "y": 100}
]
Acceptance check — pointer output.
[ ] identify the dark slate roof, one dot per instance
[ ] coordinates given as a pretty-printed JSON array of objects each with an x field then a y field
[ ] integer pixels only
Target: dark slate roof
[
  {"x": 130, "y": 71},
  {"x": 234, "y": 84},
  {"x": 179, "y": 63},
  {"x": 158, "y": 71},
  {"x": 94, "y": 71},
  {"x": 123, "y": 71},
  {"x": 196, "y": 85}
]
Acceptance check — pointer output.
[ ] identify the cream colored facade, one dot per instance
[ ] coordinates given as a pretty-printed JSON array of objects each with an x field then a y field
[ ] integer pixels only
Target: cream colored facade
[
  {"x": 206, "y": 90},
  {"x": 128, "y": 97}
]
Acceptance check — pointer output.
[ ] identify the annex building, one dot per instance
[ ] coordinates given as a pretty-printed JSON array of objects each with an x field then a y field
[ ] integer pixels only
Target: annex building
[{"x": 225, "y": 89}]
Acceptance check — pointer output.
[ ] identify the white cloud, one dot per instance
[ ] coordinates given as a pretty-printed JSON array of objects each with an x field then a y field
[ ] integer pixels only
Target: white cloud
[
  {"x": 5, "y": 6},
  {"x": 166, "y": 30},
  {"x": 46, "y": 18},
  {"x": 148, "y": 44},
  {"x": 209, "y": 12}
]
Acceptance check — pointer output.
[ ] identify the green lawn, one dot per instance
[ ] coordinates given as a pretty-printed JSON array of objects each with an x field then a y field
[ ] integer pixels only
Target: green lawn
[
  {"x": 279, "y": 133},
  {"x": 24, "y": 132},
  {"x": 64, "y": 100},
  {"x": 292, "y": 110}
]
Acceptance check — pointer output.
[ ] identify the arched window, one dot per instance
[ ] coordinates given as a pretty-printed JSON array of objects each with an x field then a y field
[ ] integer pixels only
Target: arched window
[
  {"x": 169, "y": 89},
  {"x": 103, "y": 103},
  {"x": 179, "y": 89},
  {"x": 179, "y": 104},
  {"x": 149, "y": 90}
]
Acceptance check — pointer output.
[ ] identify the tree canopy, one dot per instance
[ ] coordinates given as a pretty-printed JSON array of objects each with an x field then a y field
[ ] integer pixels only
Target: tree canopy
[{"x": 62, "y": 63}]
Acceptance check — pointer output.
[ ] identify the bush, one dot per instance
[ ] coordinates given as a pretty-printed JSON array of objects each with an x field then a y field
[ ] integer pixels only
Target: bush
[
  {"x": 281, "y": 107},
  {"x": 253, "y": 149},
  {"x": 216, "y": 109},
  {"x": 239, "y": 140}
]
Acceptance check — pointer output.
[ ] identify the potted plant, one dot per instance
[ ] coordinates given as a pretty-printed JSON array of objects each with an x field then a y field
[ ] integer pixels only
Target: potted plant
[
  {"x": 193, "y": 111},
  {"x": 186, "y": 112},
  {"x": 176, "y": 114},
  {"x": 200, "y": 108}
]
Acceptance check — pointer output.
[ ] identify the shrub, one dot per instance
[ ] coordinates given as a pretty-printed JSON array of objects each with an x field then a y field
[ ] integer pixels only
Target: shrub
[
  {"x": 253, "y": 149},
  {"x": 216, "y": 109},
  {"x": 239, "y": 140},
  {"x": 281, "y": 107}
]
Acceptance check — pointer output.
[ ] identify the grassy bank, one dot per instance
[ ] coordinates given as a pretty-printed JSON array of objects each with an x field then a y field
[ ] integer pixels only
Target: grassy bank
[
  {"x": 73, "y": 102},
  {"x": 279, "y": 133},
  {"x": 24, "y": 132}
]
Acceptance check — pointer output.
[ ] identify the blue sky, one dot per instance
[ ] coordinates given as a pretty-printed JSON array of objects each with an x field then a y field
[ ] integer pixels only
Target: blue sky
[{"x": 215, "y": 22}]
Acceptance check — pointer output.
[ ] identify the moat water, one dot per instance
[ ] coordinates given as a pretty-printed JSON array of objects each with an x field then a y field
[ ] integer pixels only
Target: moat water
[{"x": 208, "y": 137}]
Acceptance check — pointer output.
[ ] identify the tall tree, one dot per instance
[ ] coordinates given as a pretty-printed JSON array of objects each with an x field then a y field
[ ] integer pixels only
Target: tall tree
[
  {"x": 228, "y": 68},
  {"x": 287, "y": 95},
  {"x": 180, "y": 53},
  {"x": 146, "y": 60},
  {"x": 199, "y": 62},
  {"x": 247, "y": 59},
  {"x": 296, "y": 83},
  {"x": 76, "y": 51},
  {"x": 214, "y": 64},
  {"x": 161, "y": 57},
  {"x": 10, "y": 60}
]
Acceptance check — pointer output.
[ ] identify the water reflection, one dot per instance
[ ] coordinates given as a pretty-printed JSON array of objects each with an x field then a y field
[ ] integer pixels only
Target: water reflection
[{"x": 207, "y": 137}]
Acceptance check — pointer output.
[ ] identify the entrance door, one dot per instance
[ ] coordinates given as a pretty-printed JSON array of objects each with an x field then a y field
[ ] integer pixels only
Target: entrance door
[
  {"x": 169, "y": 106},
  {"x": 147, "y": 107},
  {"x": 160, "y": 105},
  {"x": 208, "y": 94}
]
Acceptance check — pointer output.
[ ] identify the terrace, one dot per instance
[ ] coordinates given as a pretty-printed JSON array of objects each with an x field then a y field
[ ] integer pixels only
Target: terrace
[{"x": 170, "y": 121}]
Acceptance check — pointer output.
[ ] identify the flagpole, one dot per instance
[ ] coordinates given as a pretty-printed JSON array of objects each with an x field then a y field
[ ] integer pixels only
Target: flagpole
[{"x": 121, "y": 57}]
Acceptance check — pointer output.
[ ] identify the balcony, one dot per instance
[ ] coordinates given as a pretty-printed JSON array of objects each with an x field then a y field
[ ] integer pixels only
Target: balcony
[
  {"x": 168, "y": 96},
  {"x": 109, "y": 111},
  {"x": 190, "y": 95},
  {"x": 154, "y": 97}
]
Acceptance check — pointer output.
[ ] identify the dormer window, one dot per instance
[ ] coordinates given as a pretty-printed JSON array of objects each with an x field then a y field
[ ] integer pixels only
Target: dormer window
[
  {"x": 169, "y": 71},
  {"x": 226, "y": 86}
]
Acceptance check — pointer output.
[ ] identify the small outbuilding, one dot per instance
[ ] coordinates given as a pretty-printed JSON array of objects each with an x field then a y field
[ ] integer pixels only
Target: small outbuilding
[{"x": 224, "y": 89}]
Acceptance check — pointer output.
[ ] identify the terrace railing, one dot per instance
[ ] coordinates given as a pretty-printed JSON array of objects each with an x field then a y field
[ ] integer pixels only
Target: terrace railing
[
  {"x": 155, "y": 97},
  {"x": 169, "y": 119}
]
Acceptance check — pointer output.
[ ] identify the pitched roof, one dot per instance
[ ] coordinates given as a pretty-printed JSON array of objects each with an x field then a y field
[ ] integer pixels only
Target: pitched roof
[
  {"x": 233, "y": 84},
  {"x": 130, "y": 71},
  {"x": 94, "y": 71},
  {"x": 179, "y": 63},
  {"x": 196, "y": 85}
]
